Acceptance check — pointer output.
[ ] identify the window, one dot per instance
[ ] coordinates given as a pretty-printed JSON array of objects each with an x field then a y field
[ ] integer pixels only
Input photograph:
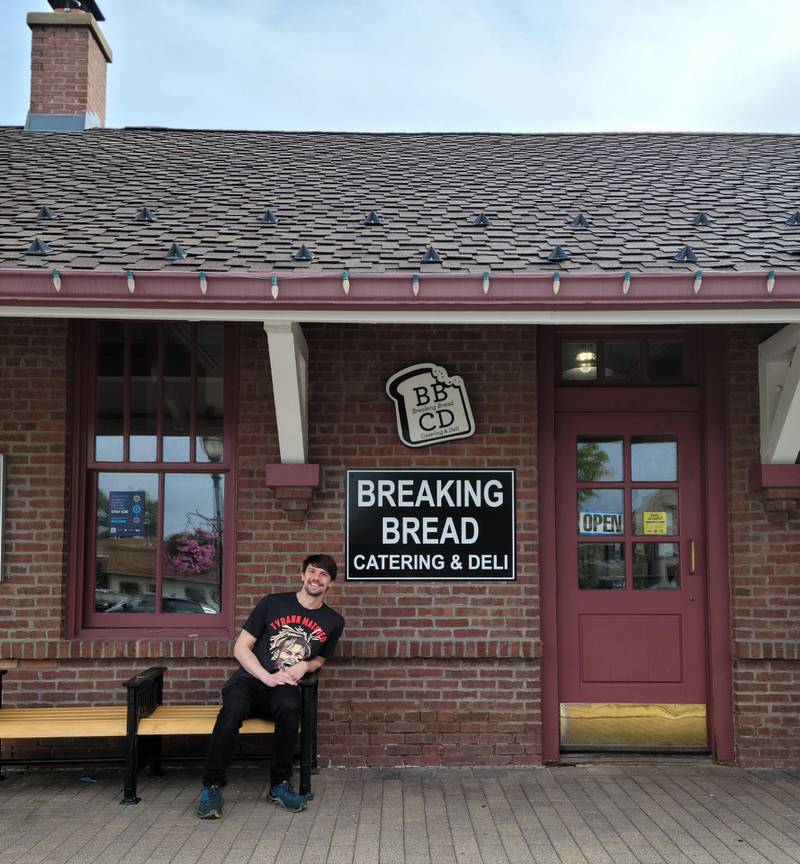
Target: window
[
  {"x": 621, "y": 515},
  {"x": 157, "y": 475},
  {"x": 626, "y": 358}
]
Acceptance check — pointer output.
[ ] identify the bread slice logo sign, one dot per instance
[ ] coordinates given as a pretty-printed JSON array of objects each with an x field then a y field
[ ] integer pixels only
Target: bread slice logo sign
[{"x": 431, "y": 406}]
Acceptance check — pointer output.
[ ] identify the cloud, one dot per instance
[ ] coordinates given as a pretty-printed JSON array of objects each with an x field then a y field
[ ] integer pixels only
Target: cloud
[{"x": 510, "y": 65}]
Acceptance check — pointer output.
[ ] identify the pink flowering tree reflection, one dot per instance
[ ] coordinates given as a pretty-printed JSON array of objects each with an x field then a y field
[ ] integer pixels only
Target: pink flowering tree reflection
[{"x": 192, "y": 554}]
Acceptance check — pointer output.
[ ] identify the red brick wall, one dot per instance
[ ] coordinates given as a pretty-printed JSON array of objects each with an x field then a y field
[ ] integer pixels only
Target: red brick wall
[
  {"x": 33, "y": 438},
  {"x": 68, "y": 71},
  {"x": 429, "y": 712},
  {"x": 422, "y": 664},
  {"x": 765, "y": 580}
]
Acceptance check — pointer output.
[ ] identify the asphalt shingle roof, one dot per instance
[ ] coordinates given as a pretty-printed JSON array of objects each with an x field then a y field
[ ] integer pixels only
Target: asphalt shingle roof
[{"x": 209, "y": 191}]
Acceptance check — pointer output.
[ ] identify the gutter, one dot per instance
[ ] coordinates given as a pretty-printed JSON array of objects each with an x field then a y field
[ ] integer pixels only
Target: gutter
[{"x": 561, "y": 297}]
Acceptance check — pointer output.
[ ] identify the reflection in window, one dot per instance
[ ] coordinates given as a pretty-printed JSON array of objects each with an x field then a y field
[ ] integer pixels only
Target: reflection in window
[
  {"x": 601, "y": 511},
  {"x": 579, "y": 361},
  {"x": 127, "y": 543},
  {"x": 210, "y": 388},
  {"x": 144, "y": 392},
  {"x": 599, "y": 459},
  {"x": 656, "y": 566},
  {"x": 655, "y": 511},
  {"x": 177, "y": 391},
  {"x": 125, "y": 550},
  {"x": 601, "y": 566},
  {"x": 665, "y": 362},
  {"x": 162, "y": 383},
  {"x": 654, "y": 459},
  {"x": 109, "y": 417},
  {"x": 622, "y": 361},
  {"x": 193, "y": 531}
]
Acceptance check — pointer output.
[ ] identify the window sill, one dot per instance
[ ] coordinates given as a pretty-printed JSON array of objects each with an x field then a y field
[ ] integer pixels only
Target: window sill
[
  {"x": 123, "y": 645},
  {"x": 167, "y": 634}
]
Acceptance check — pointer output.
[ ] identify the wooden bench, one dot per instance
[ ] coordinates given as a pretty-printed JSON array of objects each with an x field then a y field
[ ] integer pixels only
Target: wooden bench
[{"x": 145, "y": 720}]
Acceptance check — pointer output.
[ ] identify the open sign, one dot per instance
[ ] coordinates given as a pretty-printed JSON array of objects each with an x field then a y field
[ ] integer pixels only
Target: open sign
[{"x": 591, "y": 522}]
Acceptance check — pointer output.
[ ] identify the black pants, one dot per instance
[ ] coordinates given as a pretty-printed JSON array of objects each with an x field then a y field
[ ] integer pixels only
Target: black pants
[{"x": 246, "y": 697}]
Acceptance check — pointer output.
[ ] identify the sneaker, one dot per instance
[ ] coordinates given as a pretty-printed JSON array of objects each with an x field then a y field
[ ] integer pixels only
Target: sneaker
[
  {"x": 285, "y": 795},
  {"x": 210, "y": 804}
]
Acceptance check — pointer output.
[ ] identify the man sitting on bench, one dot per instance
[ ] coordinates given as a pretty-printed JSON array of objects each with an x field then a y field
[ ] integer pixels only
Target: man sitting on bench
[{"x": 285, "y": 637}]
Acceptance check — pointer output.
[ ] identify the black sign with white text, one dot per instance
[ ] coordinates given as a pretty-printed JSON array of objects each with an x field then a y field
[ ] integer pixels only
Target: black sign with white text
[{"x": 430, "y": 524}]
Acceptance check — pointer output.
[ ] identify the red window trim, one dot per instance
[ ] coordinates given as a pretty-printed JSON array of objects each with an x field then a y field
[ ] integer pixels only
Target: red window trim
[{"x": 81, "y": 621}]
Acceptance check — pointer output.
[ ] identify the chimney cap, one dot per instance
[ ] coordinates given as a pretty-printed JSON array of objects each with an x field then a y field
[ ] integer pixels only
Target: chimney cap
[{"x": 83, "y": 5}]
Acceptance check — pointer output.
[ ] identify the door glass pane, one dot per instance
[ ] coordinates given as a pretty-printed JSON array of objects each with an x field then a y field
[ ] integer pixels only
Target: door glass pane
[
  {"x": 579, "y": 361},
  {"x": 601, "y": 566},
  {"x": 599, "y": 459},
  {"x": 110, "y": 389},
  {"x": 127, "y": 520},
  {"x": 144, "y": 392},
  {"x": 656, "y": 566},
  {"x": 210, "y": 391},
  {"x": 665, "y": 361},
  {"x": 177, "y": 391},
  {"x": 601, "y": 511},
  {"x": 655, "y": 511},
  {"x": 654, "y": 459},
  {"x": 622, "y": 361},
  {"x": 193, "y": 530}
]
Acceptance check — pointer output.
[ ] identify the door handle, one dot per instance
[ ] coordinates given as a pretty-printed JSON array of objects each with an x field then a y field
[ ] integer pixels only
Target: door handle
[{"x": 692, "y": 558}]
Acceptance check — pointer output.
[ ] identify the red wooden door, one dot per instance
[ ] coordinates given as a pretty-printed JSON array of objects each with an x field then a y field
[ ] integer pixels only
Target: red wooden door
[{"x": 631, "y": 616}]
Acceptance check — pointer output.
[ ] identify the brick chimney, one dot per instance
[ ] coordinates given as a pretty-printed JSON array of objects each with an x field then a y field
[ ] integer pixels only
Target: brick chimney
[{"x": 69, "y": 55}]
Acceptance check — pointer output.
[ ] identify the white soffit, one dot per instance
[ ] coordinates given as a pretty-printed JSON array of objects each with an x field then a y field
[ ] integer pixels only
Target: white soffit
[
  {"x": 767, "y": 315},
  {"x": 288, "y": 360},
  {"x": 779, "y": 396}
]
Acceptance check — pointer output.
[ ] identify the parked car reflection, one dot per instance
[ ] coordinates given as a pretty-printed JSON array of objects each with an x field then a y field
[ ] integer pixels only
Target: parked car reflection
[
  {"x": 145, "y": 602},
  {"x": 105, "y": 598}
]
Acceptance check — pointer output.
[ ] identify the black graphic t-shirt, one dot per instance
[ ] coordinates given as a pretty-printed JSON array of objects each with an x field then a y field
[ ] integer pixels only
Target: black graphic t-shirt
[{"x": 286, "y": 632}]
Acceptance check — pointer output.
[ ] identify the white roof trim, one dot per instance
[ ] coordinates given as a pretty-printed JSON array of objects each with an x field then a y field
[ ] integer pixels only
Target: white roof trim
[{"x": 766, "y": 315}]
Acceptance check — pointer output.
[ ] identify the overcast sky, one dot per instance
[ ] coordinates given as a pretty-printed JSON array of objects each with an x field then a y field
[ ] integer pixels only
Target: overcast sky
[{"x": 438, "y": 65}]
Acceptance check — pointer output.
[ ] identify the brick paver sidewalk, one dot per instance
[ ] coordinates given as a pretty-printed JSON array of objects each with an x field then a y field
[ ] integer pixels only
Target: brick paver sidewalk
[{"x": 592, "y": 814}]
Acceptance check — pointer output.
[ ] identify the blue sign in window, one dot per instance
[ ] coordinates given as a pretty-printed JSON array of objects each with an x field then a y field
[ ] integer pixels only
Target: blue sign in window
[{"x": 126, "y": 514}]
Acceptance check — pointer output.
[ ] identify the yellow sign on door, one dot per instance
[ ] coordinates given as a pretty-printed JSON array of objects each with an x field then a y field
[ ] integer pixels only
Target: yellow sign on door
[{"x": 654, "y": 522}]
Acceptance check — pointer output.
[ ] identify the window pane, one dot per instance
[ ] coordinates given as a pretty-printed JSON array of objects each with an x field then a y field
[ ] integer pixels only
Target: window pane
[
  {"x": 665, "y": 361},
  {"x": 656, "y": 566},
  {"x": 144, "y": 392},
  {"x": 110, "y": 381},
  {"x": 127, "y": 519},
  {"x": 193, "y": 532},
  {"x": 210, "y": 391},
  {"x": 601, "y": 566},
  {"x": 599, "y": 460},
  {"x": 654, "y": 459},
  {"x": 177, "y": 391},
  {"x": 622, "y": 361},
  {"x": 579, "y": 361},
  {"x": 655, "y": 511},
  {"x": 601, "y": 511}
]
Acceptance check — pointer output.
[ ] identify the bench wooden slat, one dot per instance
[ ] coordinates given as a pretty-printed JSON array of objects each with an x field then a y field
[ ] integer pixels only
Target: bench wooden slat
[
  {"x": 194, "y": 720},
  {"x": 89, "y": 722},
  {"x": 80, "y": 722}
]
